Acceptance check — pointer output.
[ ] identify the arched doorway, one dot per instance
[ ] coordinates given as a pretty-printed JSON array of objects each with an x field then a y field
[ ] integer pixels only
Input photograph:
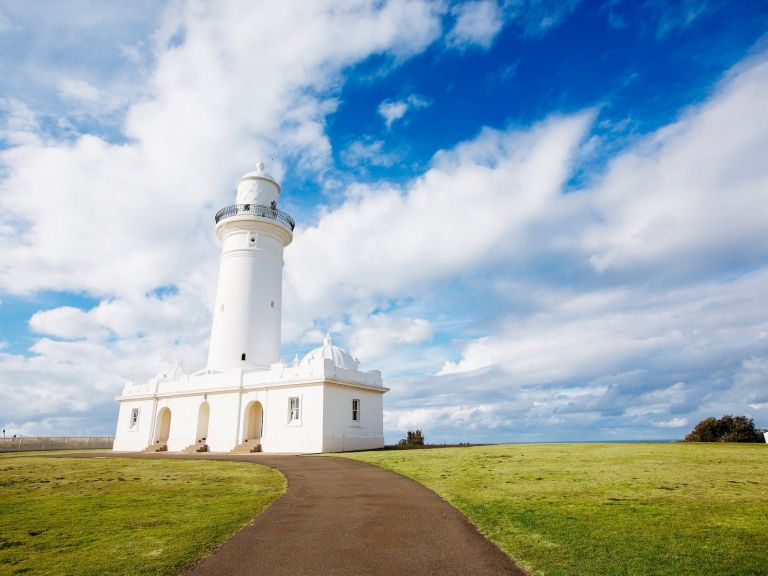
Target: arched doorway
[
  {"x": 202, "y": 421},
  {"x": 163, "y": 426},
  {"x": 254, "y": 421}
]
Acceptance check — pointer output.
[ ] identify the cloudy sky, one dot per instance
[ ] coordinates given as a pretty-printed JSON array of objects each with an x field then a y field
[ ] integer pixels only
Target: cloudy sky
[{"x": 542, "y": 221}]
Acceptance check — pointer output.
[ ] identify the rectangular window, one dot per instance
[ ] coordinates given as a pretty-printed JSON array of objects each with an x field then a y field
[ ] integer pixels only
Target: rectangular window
[
  {"x": 356, "y": 410},
  {"x": 134, "y": 422},
  {"x": 294, "y": 408}
]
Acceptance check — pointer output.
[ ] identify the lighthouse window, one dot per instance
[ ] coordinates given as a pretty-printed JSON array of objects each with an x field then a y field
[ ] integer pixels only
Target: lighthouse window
[
  {"x": 356, "y": 410},
  {"x": 134, "y": 422},
  {"x": 294, "y": 409},
  {"x": 272, "y": 304},
  {"x": 243, "y": 357}
]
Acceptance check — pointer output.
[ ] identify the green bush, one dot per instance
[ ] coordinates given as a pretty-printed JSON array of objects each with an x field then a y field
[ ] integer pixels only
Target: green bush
[
  {"x": 413, "y": 438},
  {"x": 726, "y": 429}
]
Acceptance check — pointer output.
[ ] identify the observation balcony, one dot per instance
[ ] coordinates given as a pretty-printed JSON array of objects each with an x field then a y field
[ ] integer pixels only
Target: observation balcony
[{"x": 257, "y": 210}]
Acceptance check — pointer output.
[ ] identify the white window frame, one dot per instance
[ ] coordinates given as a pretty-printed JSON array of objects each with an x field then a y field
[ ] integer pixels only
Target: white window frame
[
  {"x": 356, "y": 410},
  {"x": 133, "y": 419},
  {"x": 294, "y": 410}
]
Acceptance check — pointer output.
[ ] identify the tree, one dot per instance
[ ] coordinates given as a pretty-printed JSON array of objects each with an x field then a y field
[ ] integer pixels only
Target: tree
[
  {"x": 742, "y": 429},
  {"x": 705, "y": 431},
  {"x": 413, "y": 438},
  {"x": 726, "y": 429}
]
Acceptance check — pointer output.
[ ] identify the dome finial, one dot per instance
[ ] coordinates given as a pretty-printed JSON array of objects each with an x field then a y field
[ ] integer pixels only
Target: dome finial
[
  {"x": 260, "y": 165},
  {"x": 327, "y": 341}
]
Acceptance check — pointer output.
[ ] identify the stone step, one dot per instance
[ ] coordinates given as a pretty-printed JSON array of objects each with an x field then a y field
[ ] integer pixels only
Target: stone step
[
  {"x": 199, "y": 446},
  {"x": 156, "y": 447},
  {"x": 247, "y": 447}
]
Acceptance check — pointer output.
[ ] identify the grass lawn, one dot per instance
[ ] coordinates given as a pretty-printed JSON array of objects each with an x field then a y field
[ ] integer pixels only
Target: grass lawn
[
  {"x": 607, "y": 509},
  {"x": 56, "y": 452},
  {"x": 121, "y": 516}
]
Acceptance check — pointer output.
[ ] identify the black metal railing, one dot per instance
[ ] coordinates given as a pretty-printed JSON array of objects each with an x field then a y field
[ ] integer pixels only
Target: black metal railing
[{"x": 256, "y": 210}]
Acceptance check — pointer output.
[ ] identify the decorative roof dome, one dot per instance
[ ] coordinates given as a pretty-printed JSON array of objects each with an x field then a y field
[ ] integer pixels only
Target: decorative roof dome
[
  {"x": 257, "y": 187},
  {"x": 341, "y": 358}
]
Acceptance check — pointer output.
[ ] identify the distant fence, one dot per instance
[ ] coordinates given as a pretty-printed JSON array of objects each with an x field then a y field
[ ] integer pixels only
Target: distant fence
[{"x": 25, "y": 443}]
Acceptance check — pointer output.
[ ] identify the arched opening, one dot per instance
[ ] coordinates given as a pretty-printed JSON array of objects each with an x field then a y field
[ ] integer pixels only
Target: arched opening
[
  {"x": 163, "y": 426},
  {"x": 202, "y": 421},
  {"x": 254, "y": 421}
]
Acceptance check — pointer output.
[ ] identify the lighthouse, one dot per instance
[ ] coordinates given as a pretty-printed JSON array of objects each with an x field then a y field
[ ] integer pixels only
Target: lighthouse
[
  {"x": 247, "y": 399},
  {"x": 247, "y": 312}
]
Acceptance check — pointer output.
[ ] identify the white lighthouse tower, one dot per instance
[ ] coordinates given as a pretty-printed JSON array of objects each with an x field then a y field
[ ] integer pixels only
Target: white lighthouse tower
[
  {"x": 247, "y": 313},
  {"x": 247, "y": 399}
]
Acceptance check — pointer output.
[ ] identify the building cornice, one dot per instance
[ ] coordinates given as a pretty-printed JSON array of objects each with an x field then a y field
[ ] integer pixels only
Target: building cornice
[{"x": 250, "y": 388}]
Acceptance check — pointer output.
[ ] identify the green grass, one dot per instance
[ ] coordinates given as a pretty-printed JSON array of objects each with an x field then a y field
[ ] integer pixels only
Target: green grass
[
  {"x": 607, "y": 509},
  {"x": 56, "y": 452},
  {"x": 121, "y": 516}
]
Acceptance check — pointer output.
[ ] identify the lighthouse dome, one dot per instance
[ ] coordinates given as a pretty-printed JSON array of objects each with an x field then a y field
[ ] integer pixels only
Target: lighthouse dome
[
  {"x": 257, "y": 187},
  {"x": 341, "y": 358}
]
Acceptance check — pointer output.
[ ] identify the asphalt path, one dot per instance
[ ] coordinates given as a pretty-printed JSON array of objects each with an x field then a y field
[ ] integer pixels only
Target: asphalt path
[{"x": 343, "y": 517}]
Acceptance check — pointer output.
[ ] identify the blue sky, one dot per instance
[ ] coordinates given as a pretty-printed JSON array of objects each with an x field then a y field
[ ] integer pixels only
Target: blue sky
[{"x": 543, "y": 221}]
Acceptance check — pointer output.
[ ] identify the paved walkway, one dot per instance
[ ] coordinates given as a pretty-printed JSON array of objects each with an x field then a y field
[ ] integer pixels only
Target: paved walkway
[{"x": 343, "y": 517}]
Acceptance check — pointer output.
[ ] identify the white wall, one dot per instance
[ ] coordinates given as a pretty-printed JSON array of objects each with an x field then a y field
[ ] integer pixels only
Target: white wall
[
  {"x": 133, "y": 439},
  {"x": 340, "y": 432},
  {"x": 222, "y": 432},
  {"x": 222, "y": 425},
  {"x": 246, "y": 316},
  {"x": 325, "y": 425},
  {"x": 280, "y": 434},
  {"x": 183, "y": 420}
]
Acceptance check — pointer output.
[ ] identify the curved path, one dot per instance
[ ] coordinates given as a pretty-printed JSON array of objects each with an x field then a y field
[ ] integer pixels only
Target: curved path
[{"x": 342, "y": 517}]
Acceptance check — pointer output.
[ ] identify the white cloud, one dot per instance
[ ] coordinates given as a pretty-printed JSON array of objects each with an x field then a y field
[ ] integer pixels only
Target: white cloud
[
  {"x": 477, "y": 24},
  {"x": 378, "y": 335},
  {"x": 688, "y": 197},
  {"x": 393, "y": 110},
  {"x": 67, "y": 63},
  {"x": 63, "y": 378},
  {"x": 368, "y": 152},
  {"x": 674, "y": 300},
  {"x": 468, "y": 417},
  {"x": 65, "y": 322},
  {"x": 130, "y": 216},
  {"x": 18, "y": 123},
  {"x": 673, "y": 423},
  {"x": 474, "y": 199},
  {"x": 79, "y": 90},
  {"x": 73, "y": 382},
  {"x": 87, "y": 424},
  {"x": 572, "y": 340},
  {"x": 168, "y": 316}
]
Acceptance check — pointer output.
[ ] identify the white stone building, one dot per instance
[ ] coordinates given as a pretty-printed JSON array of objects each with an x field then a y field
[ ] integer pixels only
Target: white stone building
[{"x": 247, "y": 399}]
